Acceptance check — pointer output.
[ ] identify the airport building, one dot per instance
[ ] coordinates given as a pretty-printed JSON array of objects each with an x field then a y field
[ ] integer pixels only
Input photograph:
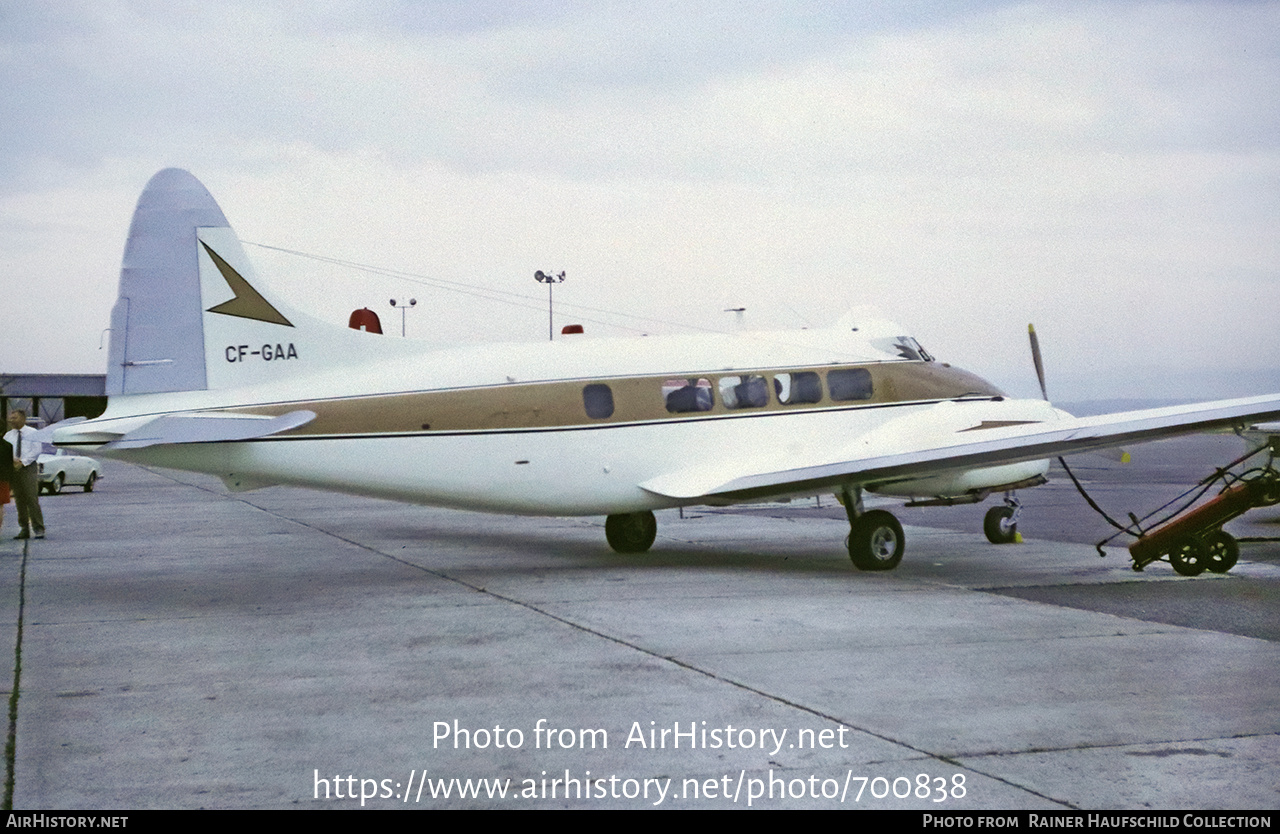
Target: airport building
[{"x": 48, "y": 398}]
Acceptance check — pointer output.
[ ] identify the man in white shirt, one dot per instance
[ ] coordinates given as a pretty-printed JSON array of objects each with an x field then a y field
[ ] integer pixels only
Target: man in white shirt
[{"x": 26, "y": 476}]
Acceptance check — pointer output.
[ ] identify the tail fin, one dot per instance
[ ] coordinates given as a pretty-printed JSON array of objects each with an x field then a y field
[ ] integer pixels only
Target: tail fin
[
  {"x": 189, "y": 317},
  {"x": 157, "y": 334}
]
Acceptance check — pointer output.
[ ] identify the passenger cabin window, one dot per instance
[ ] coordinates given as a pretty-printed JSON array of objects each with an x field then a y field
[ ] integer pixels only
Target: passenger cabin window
[
  {"x": 849, "y": 384},
  {"x": 597, "y": 399},
  {"x": 686, "y": 395},
  {"x": 798, "y": 388},
  {"x": 744, "y": 391}
]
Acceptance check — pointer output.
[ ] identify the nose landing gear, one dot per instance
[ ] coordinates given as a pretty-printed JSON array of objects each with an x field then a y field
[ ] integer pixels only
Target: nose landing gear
[{"x": 1001, "y": 523}]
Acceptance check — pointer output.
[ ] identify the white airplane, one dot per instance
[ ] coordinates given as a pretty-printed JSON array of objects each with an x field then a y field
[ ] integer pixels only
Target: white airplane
[{"x": 210, "y": 372}]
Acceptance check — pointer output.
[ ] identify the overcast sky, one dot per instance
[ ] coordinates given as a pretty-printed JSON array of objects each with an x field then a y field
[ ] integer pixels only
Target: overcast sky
[{"x": 1109, "y": 171}]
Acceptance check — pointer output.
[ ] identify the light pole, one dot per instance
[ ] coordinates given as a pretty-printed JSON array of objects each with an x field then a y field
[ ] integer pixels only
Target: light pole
[
  {"x": 550, "y": 280},
  {"x": 403, "y": 308}
]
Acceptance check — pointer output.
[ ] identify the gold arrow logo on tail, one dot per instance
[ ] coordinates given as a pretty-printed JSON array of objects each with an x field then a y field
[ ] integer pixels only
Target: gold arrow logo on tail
[{"x": 247, "y": 304}]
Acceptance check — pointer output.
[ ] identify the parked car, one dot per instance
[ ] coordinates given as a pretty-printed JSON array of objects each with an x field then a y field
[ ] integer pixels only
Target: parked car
[{"x": 62, "y": 469}]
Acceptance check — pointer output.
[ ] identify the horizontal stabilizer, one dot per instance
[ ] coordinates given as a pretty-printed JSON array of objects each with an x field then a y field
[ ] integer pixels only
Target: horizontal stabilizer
[
  {"x": 45, "y": 435},
  {"x": 198, "y": 427}
]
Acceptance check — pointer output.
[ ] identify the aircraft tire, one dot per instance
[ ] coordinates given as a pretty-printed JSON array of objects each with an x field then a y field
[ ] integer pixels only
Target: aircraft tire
[
  {"x": 631, "y": 532},
  {"x": 876, "y": 541},
  {"x": 1222, "y": 552},
  {"x": 1189, "y": 557},
  {"x": 997, "y": 527}
]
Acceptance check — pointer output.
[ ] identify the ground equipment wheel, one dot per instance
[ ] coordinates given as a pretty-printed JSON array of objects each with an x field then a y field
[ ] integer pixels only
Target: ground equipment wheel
[
  {"x": 1270, "y": 492},
  {"x": 1189, "y": 558},
  {"x": 876, "y": 541},
  {"x": 88, "y": 485},
  {"x": 999, "y": 527},
  {"x": 1221, "y": 551},
  {"x": 631, "y": 532},
  {"x": 55, "y": 486}
]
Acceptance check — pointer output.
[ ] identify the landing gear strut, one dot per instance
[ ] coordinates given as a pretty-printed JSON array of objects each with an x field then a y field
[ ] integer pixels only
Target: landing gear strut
[
  {"x": 1001, "y": 523},
  {"x": 631, "y": 532},
  {"x": 875, "y": 540}
]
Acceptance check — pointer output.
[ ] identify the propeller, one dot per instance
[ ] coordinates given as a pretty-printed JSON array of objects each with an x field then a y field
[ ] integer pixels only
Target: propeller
[
  {"x": 1119, "y": 455},
  {"x": 1035, "y": 357}
]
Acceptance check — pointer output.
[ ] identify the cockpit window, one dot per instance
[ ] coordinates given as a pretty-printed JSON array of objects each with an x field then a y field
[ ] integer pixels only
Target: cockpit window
[
  {"x": 799, "y": 388},
  {"x": 904, "y": 347},
  {"x": 749, "y": 391},
  {"x": 685, "y": 395}
]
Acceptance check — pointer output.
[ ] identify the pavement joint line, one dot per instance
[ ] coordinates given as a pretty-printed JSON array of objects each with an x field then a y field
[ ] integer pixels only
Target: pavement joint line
[
  {"x": 949, "y": 760},
  {"x": 11, "y": 738},
  {"x": 1113, "y": 745}
]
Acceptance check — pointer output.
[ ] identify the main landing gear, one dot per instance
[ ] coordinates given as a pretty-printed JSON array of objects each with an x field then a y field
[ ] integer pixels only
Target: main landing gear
[
  {"x": 631, "y": 532},
  {"x": 876, "y": 541},
  {"x": 875, "y": 538}
]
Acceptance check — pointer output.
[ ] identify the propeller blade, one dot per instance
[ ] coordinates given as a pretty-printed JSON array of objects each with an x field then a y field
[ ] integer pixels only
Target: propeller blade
[
  {"x": 1118, "y": 455},
  {"x": 1035, "y": 357}
]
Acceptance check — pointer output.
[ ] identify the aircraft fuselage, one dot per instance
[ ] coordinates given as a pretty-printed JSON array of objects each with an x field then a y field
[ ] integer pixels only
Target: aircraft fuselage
[{"x": 588, "y": 445}]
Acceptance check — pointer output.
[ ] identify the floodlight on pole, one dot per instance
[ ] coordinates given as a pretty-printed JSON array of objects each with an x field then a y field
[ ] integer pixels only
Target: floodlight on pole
[
  {"x": 403, "y": 308},
  {"x": 550, "y": 280}
]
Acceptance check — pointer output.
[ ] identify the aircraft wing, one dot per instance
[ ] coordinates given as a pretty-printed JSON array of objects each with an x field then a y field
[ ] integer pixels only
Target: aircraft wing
[
  {"x": 868, "y": 463},
  {"x": 208, "y": 427}
]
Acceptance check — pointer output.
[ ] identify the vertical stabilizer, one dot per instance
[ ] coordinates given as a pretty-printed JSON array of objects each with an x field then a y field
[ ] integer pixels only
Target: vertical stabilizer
[
  {"x": 157, "y": 333},
  {"x": 193, "y": 316}
]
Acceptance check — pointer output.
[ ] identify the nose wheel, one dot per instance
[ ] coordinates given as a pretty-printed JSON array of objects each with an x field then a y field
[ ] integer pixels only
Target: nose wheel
[{"x": 1001, "y": 523}]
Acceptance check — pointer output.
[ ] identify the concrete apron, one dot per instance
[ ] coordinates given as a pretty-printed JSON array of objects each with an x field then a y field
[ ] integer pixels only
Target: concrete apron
[{"x": 186, "y": 647}]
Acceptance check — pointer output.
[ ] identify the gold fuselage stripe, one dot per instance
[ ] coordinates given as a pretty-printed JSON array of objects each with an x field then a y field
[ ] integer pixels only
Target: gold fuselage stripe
[{"x": 559, "y": 404}]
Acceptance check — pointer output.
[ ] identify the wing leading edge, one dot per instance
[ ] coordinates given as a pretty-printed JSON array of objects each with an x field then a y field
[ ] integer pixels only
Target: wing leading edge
[{"x": 991, "y": 447}]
